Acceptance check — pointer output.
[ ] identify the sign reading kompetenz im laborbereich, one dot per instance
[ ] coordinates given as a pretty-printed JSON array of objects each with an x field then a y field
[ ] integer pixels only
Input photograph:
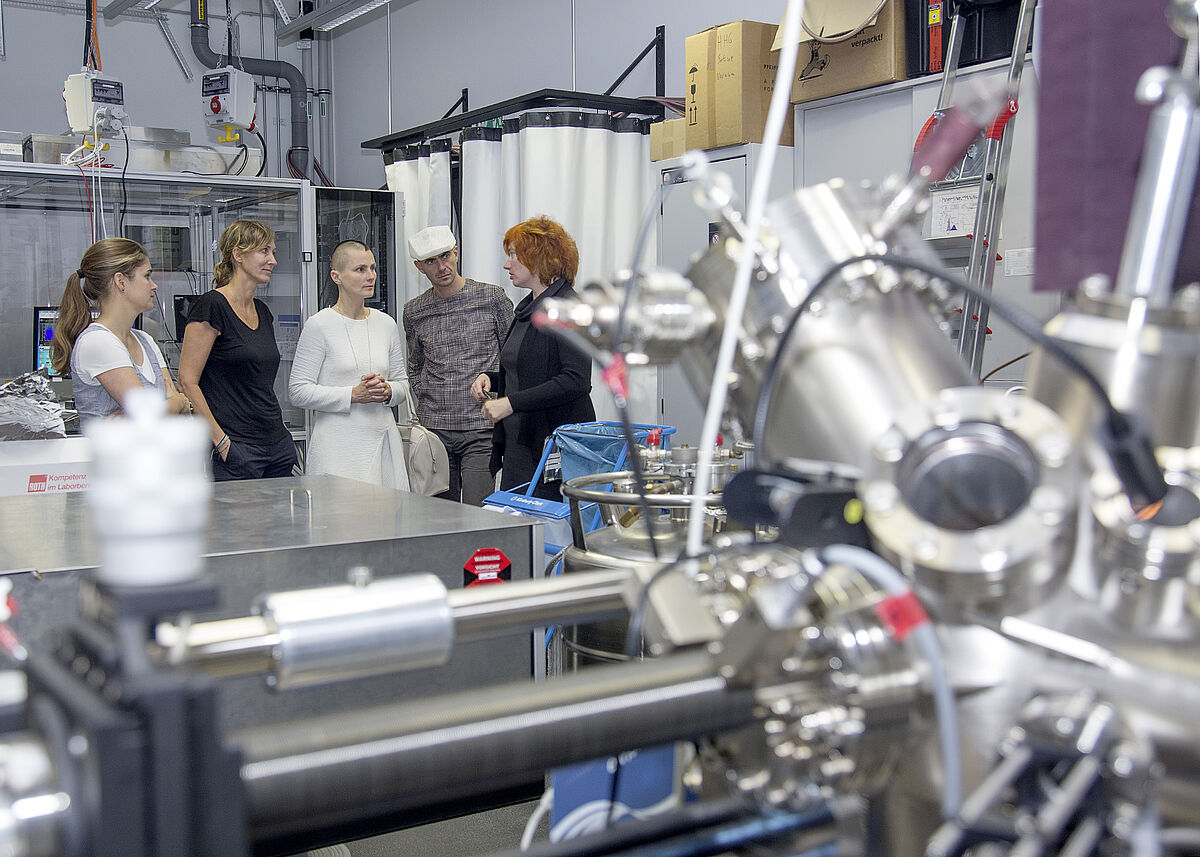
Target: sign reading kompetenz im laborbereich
[{"x": 42, "y": 482}]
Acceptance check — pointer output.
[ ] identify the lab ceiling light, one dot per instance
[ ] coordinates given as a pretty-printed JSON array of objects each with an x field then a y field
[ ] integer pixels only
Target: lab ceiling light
[{"x": 332, "y": 15}]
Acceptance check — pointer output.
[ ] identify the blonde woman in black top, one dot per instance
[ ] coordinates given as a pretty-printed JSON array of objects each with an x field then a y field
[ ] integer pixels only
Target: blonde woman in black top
[{"x": 230, "y": 359}]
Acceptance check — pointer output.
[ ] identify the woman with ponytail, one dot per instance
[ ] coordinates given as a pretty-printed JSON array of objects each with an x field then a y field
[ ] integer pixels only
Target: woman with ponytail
[
  {"x": 107, "y": 358},
  {"x": 230, "y": 359}
]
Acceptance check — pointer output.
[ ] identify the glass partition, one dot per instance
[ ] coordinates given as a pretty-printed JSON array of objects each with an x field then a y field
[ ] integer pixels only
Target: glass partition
[
  {"x": 369, "y": 216},
  {"x": 49, "y": 214}
]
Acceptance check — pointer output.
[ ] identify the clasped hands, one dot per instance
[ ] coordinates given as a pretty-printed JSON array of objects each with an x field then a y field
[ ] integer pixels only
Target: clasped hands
[
  {"x": 493, "y": 410},
  {"x": 372, "y": 388}
]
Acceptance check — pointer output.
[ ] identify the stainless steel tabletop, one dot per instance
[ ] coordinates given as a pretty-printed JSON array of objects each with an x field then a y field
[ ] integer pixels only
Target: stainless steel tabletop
[
  {"x": 271, "y": 535},
  {"x": 52, "y": 532}
]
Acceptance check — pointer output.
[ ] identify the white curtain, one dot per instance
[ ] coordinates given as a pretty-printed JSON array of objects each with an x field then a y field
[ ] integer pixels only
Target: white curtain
[
  {"x": 422, "y": 175},
  {"x": 589, "y": 172}
]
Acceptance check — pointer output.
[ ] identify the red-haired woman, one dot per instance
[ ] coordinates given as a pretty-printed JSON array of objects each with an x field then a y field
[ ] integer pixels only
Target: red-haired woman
[{"x": 543, "y": 383}]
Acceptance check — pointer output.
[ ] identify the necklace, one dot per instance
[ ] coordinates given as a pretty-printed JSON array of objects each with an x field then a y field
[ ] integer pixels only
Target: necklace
[{"x": 350, "y": 342}]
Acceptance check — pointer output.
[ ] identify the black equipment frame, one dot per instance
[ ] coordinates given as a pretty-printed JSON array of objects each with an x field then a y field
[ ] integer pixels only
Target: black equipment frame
[{"x": 541, "y": 99}]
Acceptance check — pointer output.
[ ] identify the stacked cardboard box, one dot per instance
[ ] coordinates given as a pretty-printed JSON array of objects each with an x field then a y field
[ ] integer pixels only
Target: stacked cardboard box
[
  {"x": 730, "y": 69},
  {"x": 846, "y": 55},
  {"x": 730, "y": 75},
  {"x": 666, "y": 139}
]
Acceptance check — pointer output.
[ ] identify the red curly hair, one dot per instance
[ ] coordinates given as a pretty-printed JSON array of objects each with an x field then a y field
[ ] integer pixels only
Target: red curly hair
[{"x": 544, "y": 248}]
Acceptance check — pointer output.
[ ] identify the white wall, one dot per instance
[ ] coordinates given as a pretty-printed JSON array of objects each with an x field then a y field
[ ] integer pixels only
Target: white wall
[
  {"x": 501, "y": 50},
  {"x": 498, "y": 49},
  {"x": 43, "y": 47}
]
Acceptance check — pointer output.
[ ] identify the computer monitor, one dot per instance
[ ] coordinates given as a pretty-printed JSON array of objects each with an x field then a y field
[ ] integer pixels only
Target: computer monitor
[
  {"x": 183, "y": 308},
  {"x": 45, "y": 321}
]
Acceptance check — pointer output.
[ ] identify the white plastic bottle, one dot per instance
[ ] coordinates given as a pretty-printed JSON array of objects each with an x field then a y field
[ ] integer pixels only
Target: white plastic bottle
[{"x": 149, "y": 493}]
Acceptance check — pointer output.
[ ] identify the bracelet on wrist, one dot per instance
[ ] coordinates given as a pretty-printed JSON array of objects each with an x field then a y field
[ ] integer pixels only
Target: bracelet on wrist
[{"x": 217, "y": 446}]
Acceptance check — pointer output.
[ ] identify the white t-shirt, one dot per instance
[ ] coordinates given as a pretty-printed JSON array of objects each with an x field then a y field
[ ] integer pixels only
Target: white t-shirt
[{"x": 97, "y": 350}]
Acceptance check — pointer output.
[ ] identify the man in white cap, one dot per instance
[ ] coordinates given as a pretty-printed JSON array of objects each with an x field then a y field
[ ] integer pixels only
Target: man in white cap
[{"x": 454, "y": 332}]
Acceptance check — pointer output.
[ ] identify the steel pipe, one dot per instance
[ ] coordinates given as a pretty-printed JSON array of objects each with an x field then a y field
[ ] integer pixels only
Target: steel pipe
[
  {"x": 337, "y": 632},
  {"x": 251, "y": 645},
  {"x": 488, "y": 611},
  {"x": 1162, "y": 198},
  {"x": 349, "y": 768},
  {"x": 224, "y": 648},
  {"x": 584, "y": 488}
]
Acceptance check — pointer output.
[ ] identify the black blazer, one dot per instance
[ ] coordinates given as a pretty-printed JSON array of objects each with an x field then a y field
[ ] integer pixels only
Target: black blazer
[{"x": 557, "y": 379}]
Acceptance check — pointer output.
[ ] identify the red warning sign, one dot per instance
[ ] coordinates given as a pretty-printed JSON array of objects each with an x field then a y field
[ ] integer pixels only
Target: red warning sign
[{"x": 486, "y": 565}]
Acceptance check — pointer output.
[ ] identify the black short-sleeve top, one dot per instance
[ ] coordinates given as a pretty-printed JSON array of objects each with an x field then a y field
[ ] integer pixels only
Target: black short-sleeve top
[{"x": 238, "y": 381}]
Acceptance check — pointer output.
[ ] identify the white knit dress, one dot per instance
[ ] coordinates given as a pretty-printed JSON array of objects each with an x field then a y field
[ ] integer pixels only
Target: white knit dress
[{"x": 357, "y": 441}]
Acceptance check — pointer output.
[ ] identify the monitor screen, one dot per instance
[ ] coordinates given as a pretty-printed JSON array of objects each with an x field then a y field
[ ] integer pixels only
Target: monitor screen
[
  {"x": 45, "y": 320},
  {"x": 183, "y": 308}
]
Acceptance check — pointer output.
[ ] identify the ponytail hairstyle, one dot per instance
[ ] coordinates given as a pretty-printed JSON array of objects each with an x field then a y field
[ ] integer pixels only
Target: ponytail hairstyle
[
  {"x": 88, "y": 287},
  {"x": 244, "y": 235}
]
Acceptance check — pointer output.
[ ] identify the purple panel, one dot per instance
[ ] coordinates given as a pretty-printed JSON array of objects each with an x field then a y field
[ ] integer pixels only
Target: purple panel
[{"x": 1091, "y": 132}]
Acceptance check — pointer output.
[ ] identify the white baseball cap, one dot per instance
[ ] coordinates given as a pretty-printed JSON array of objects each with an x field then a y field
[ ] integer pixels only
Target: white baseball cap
[{"x": 429, "y": 242}]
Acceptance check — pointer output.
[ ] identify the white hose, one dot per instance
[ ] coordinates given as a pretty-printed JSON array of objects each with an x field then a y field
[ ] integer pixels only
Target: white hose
[
  {"x": 885, "y": 575},
  {"x": 776, "y": 116},
  {"x": 539, "y": 812}
]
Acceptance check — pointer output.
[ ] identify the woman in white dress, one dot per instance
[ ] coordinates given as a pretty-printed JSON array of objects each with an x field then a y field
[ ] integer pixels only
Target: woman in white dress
[{"x": 349, "y": 370}]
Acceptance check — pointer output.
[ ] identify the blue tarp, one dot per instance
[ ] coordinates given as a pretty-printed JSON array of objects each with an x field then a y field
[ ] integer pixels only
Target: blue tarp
[{"x": 598, "y": 447}]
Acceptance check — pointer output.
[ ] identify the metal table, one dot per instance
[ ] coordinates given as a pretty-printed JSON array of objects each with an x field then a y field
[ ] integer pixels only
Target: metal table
[{"x": 275, "y": 534}]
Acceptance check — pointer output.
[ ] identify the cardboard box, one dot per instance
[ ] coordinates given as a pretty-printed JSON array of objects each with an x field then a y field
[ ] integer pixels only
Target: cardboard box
[
  {"x": 873, "y": 55},
  {"x": 730, "y": 75},
  {"x": 667, "y": 139}
]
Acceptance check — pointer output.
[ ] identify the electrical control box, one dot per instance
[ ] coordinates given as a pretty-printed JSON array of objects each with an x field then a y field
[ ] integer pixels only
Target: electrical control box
[
  {"x": 94, "y": 103},
  {"x": 229, "y": 98}
]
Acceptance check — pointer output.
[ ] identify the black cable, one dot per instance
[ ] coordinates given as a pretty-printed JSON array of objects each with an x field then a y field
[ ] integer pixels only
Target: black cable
[
  {"x": 263, "y": 166},
  {"x": 639, "y": 248},
  {"x": 228, "y": 32},
  {"x": 1130, "y": 450},
  {"x": 245, "y": 155},
  {"x": 321, "y": 172},
  {"x": 124, "y": 190},
  {"x": 613, "y": 785},
  {"x": 1005, "y": 365},
  {"x": 636, "y": 629},
  {"x": 633, "y": 644},
  {"x": 639, "y": 477},
  {"x": 87, "y": 31},
  {"x": 296, "y": 172},
  {"x": 605, "y": 362},
  {"x": 90, "y": 57}
]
